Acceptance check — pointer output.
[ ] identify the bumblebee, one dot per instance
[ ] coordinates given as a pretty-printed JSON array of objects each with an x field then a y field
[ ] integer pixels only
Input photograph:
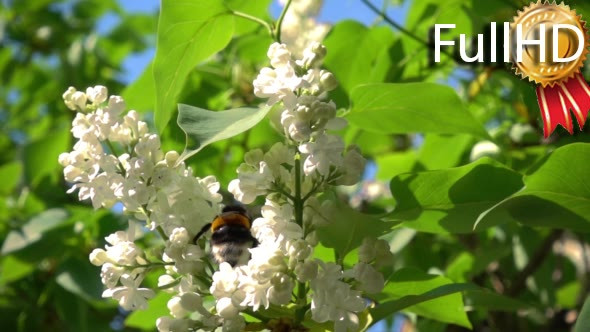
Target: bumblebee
[{"x": 230, "y": 236}]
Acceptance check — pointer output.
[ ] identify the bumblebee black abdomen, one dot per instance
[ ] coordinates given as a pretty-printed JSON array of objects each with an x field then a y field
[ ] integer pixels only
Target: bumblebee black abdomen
[
  {"x": 230, "y": 243},
  {"x": 230, "y": 236}
]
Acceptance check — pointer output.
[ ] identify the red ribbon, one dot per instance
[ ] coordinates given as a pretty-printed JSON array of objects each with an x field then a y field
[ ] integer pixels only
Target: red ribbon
[{"x": 557, "y": 101}]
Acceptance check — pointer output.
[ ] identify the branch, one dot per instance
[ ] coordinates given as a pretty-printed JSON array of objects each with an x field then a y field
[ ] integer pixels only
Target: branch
[
  {"x": 393, "y": 23},
  {"x": 534, "y": 263},
  {"x": 280, "y": 21}
]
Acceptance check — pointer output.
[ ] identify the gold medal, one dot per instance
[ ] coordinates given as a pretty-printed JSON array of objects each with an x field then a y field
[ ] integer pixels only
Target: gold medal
[{"x": 548, "y": 73}]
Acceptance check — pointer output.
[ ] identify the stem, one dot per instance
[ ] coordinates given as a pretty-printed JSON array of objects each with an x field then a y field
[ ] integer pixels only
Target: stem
[
  {"x": 114, "y": 153},
  {"x": 253, "y": 19},
  {"x": 284, "y": 193},
  {"x": 280, "y": 21},
  {"x": 301, "y": 295},
  {"x": 111, "y": 147},
  {"x": 298, "y": 201},
  {"x": 162, "y": 233},
  {"x": 298, "y": 204},
  {"x": 256, "y": 315}
]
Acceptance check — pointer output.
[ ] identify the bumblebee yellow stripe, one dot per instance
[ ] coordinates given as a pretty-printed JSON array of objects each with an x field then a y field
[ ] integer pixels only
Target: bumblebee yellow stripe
[{"x": 230, "y": 218}]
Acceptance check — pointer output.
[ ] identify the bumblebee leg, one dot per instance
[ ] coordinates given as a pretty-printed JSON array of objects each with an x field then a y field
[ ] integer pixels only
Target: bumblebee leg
[{"x": 201, "y": 232}]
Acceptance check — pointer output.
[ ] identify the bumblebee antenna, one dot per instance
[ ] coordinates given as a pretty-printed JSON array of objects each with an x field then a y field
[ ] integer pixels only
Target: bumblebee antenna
[{"x": 201, "y": 232}]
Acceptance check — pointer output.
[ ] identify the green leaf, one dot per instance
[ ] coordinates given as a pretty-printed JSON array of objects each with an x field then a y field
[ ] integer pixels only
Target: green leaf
[
  {"x": 367, "y": 59},
  {"x": 583, "y": 322},
  {"x": 188, "y": 33},
  {"x": 427, "y": 295},
  {"x": 10, "y": 174},
  {"x": 396, "y": 163},
  {"x": 348, "y": 228},
  {"x": 567, "y": 295},
  {"x": 556, "y": 193},
  {"x": 203, "y": 127},
  {"x": 72, "y": 309},
  {"x": 140, "y": 95},
  {"x": 392, "y": 108},
  {"x": 443, "y": 151},
  {"x": 81, "y": 278},
  {"x": 34, "y": 230},
  {"x": 13, "y": 269},
  {"x": 146, "y": 319},
  {"x": 450, "y": 200},
  {"x": 41, "y": 156}
]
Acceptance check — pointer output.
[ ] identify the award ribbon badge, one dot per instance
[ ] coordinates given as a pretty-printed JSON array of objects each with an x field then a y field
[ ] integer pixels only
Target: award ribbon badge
[{"x": 561, "y": 87}]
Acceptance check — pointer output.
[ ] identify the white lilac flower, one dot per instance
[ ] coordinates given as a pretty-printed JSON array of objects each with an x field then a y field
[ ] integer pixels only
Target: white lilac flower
[
  {"x": 225, "y": 281},
  {"x": 313, "y": 55},
  {"x": 262, "y": 172},
  {"x": 375, "y": 251},
  {"x": 169, "y": 324},
  {"x": 371, "y": 281},
  {"x": 129, "y": 295},
  {"x": 110, "y": 274},
  {"x": 277, "y": 85},
  {"x": 152, "y": 186},
  {"x": 306, "y": 270},
  {"x": 324, "y": 152},
  {"x": 279, "y": 55},
  {"x": 484, "y": 149},
  {"x": 75, "y": 100},
  {"x": 276, "y": 222},
  {"x": 237, "y": 323},
  {"x": 353, "y": 166},
  {"x": 121, "y": 251},
  {"x": 97, "y": 94},
  {"x": 334, "y": 300}
]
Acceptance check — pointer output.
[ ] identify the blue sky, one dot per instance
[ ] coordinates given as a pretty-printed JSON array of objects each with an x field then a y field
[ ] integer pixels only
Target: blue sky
[{"x": 332, "y": 11}]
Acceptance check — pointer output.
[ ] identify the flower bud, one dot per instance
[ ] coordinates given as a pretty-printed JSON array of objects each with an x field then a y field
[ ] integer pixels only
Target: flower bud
[
  {"x": 98, "y": 257},
  {"x": 97, "y": 95},
  {"x": 167, "y": 324},
  {"x": 165, "y": 280},
  {"x": 117, "y": 105},
  {"x": 171, "y": 158},
  {"x": 67, "y": 97},
  {"x": 306, "y": 271},
  {"x": 179, "y": 236},
  {"x": 79, "y": 101},
  {"x": 484, "y": 149},
  {"x": 175, "y": 307},
  {"x": 191, "y": 302},
  {"x": 327, "y": 81},
  {"x": 64, "y": 159}
]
